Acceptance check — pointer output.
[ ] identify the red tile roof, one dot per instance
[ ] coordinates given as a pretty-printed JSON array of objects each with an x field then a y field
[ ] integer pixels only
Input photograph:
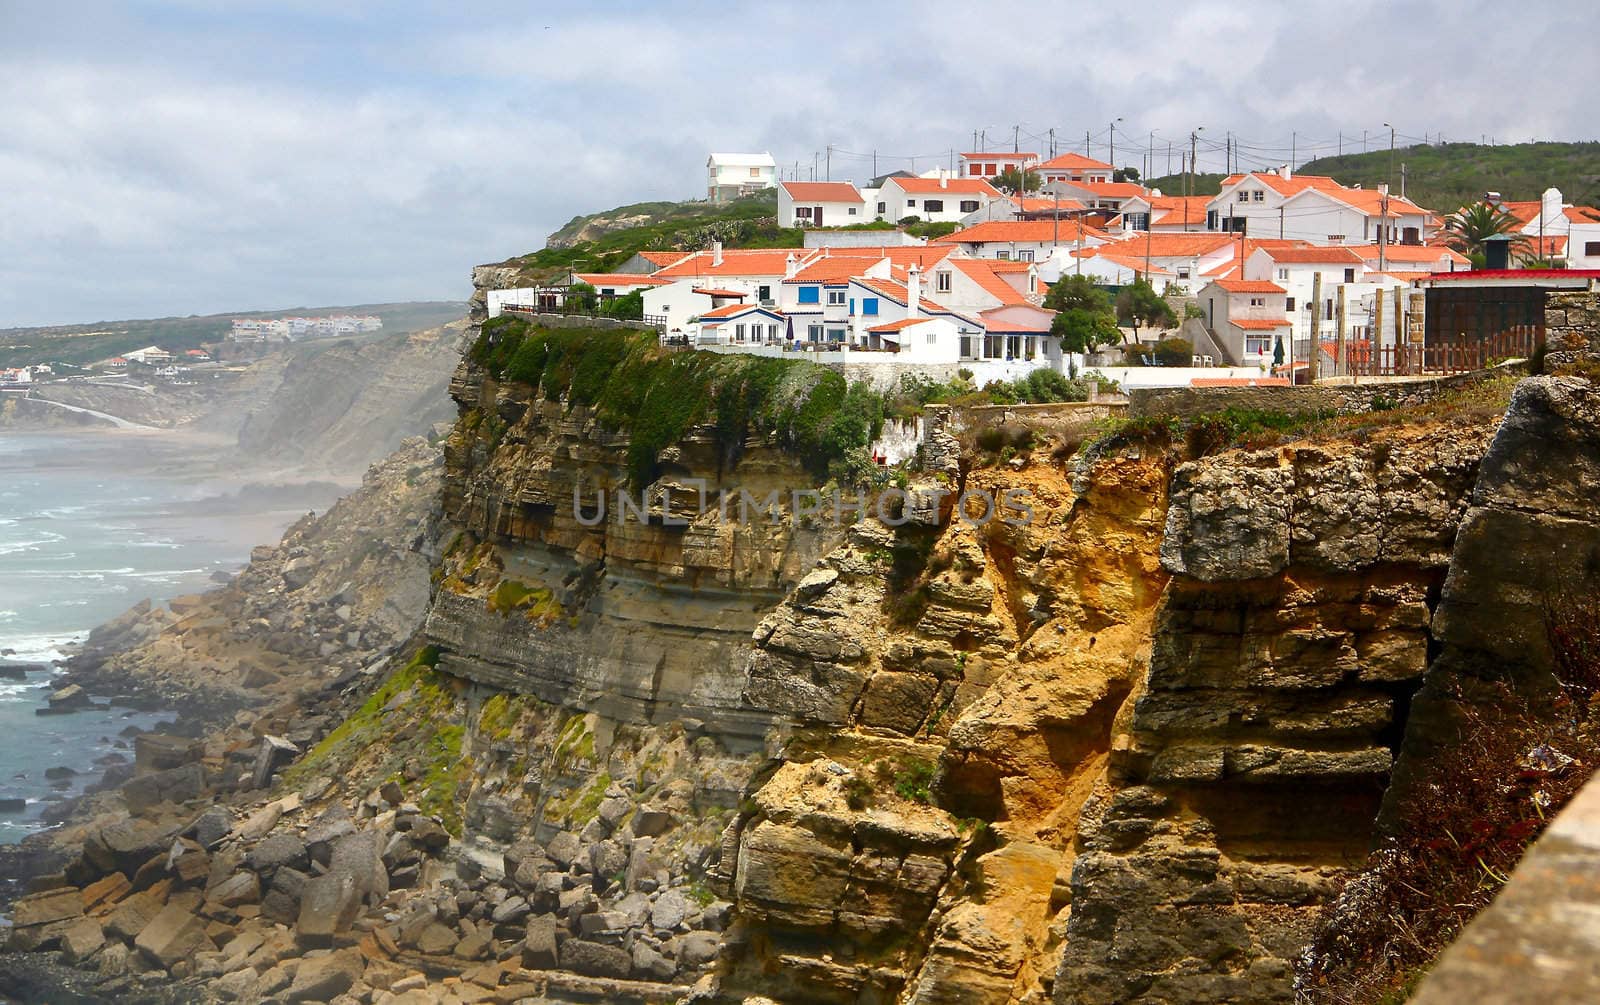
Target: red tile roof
[
  {"x": 922, "y": 255},
  {"x": 712, "y": 291},
  {"x": 899, "y": 293},
  {"x": 833, "y": 270},
  {"x": 744, "y": 262},
  {"x": 995, "y": 155},
  {"x": 1074, "y": 162},
  {"x": 980, "y": 272},
  {"x": 955, "y": 186},
  {"x": 619, "y": 279},
  {"x": 1410, "y": 253},
  {"x": 1110, "y": 189},
  {"x": 1027, "y": 231},
  {"x": 894, "y": 326},
  {"x": 822, "y": 191},
  {"x": 1314, "y": 255},
  {"x": 1250, "y": 286},
  {"x": 730, "y": 310},
  {"x": 1239, "y": 382},
  {"x": 1175, "y": 245},
  {"x": 659, "y": 258},
  {"x": 1260, "y": 324}
]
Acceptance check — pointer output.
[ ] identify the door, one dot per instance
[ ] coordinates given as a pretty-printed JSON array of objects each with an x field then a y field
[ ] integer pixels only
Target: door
[{"x": 816, "y": 216}]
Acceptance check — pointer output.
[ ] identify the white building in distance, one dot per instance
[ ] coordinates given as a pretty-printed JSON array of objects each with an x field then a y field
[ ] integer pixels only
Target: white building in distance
[{"x": 729, "y": 176}]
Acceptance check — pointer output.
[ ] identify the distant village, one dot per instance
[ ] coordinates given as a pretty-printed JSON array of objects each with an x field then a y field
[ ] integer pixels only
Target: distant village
[
  {"x": 1279, "y": 277},
  {"x": 173, "y": 364}
]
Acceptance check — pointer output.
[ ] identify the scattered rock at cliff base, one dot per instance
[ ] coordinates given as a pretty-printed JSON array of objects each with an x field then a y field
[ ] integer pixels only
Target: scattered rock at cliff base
[
  {"x": 174, "y": 934},
  {"x": 273, "y": 753},
  {"x": 71, "y": 698}
]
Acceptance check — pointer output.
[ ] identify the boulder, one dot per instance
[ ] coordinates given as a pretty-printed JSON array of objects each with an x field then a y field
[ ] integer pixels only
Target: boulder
[
  {"x": 240, "y": 888},
  {"x": 509, "y": 910},
  {"x": 649, "y": 965},
  {"x": 106, "y": 891},
  {"x": 273, "y": 753},
  {"x": 174, "y": 785},
  {"x": 436, "y": 939},
  {"x": 133, "y": 914},
  {"x": 564, "y": 848},
  {"x": 211, "y": 826},
  {"x": 322, "y": 978},
  {"x": 669, "y": 911},
  {"x": 124, "y": 846},
  {"x": 595, "y": 959},
  {"x": 277, "y": 851},
  {"x": 68, "y": 699},
  {"x": 328, "y": 905},
  {"x": 539, "y": 949},
  {"x": 172, "y": 935},
  {"x": 649, "y": 823},
  {"x": 359, "y": 857},
  {"x": 59, "y": 904},
  {"x": 81, "y": 940}
]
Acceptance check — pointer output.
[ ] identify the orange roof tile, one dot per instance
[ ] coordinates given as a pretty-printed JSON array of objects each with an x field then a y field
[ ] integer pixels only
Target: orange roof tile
[
  {"x": 979, "y": 271},
  {"x": 1110, "y": 189},
  {"x": 744, "y": 262},
  {"x": 1313, "y": 255},
  {"x": 822, "y": 191},
  {"x": 730, "y": 310},
  {"x": 619, "y": 279},
  {"x": 712, "y": 291},
  {"x": 660, "y": 258},
  {"x": 1176, "y": 245},
  {"x": 1074, "y": 162},
  {"x": 1250, "y": 286},
  {"x": 1260, "y": 324},
  {"x": 996, "y": 155},
  {"x": 1239, "y": 382},
  {"x": 933, "y": 186},
  {"x": 833, "y": 270},
  {"x": 1409, "y": 253},
  {"x": 894, "y": 326},
  {"x": 1582, "y": 214},
  {"x": 899, "y": 293},
  {"x": 1028, "y": 231}
]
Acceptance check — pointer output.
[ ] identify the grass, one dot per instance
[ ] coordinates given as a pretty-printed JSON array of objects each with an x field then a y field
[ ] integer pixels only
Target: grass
[
  {"x": 579, "y": 806},
  {"x": 510, "y": 595},
  {"x": 656, "y": 397}
]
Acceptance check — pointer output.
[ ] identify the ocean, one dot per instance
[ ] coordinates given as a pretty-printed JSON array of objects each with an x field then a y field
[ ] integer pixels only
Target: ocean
[{"x": 90, "y": 524}]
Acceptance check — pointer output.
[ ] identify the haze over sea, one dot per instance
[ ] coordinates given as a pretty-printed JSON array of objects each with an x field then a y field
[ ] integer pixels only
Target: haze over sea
[{"x": 90, "y": 524}]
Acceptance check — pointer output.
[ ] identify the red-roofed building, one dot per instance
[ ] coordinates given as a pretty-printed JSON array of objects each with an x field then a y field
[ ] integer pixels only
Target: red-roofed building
[
  {"x": 1246, "y": 318},
  {"x": 1025, "y": 240},
  {"x": 820, "y": 204},
  {"x": 610, "y": 285},
  {"x": 988, "y": 165},
  {"x": 1075, "y": 168},
  {"x": 936, "y": 200},
  {"x": 1103, "y": 196},
  {"x": 706, "y": 280},
  {"x": 1316, "y": 209}
]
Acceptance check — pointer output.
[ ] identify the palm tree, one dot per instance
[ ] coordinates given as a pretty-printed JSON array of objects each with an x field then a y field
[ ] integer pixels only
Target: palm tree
[{"x": 1470, "y": 226}]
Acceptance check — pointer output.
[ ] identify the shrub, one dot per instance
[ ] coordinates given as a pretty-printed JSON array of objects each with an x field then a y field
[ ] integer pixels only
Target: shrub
[
  {"x": 914, "y": 781},
  {"x": 1174, "y": 352}
]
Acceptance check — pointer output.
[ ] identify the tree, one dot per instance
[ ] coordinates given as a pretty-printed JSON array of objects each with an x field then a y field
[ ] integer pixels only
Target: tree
[
  {"x": 1125, "y": 174},
  {"x": 1011, "y": 180},
  {"x": 1084, "y": 317},
  {"x": 582, "y": 296},
  {"x": 1472, "y": 225},
  {"x": 1139, "y": 304}
]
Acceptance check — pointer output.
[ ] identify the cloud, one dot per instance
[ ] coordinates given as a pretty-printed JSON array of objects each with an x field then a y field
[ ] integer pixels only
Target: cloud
[{"x": 204, "y": 156}]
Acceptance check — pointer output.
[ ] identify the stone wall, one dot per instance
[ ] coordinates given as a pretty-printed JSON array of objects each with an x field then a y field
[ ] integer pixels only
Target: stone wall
[
  {"x": 1572, "y": 319},
  {"x": 1321, "y": 399}
]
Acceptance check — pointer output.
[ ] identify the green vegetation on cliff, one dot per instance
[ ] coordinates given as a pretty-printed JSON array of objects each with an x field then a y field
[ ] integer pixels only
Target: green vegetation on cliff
[{"x": 657, "y": 396}]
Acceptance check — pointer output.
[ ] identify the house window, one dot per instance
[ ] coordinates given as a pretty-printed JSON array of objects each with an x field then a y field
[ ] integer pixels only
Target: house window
[
  {"x": 933, "y": 205},
  {"x": 1244, "y": 196},
  {"x": 852, "y": 211},
  {"x": 1004, "y": 256},
  {"x": 975, "y": 169},
  {"x": 941, "y": 282},
  {"x": 835, "y": 298},
  {"x": 1024, "y": 256},
  {"x": 1283, "y": 273},
  {"x": 869, "y": 306},
  {"x": 835, "y": 334},
  {"x": 932, "y": 337},
  {"x": 764, "y": 292},
  {"x": 810, "y": 295},
  {"x": 1591, "y": 248},
  {"x": 1288, "y": 303},
  {"x": 755, "y": 172},
  {"x": 883, "y": 207},
  {"x": 1349, "y": 275},
  {"x": 1183, "y": 274},
  {"x": 969, "y": 205},
  {"x": 1258, "y": 301},
  {"x": 802, "y": 212},
  {"x": 738, "y": 333},
  {"x": 911, "y": 204},
  {"x": 1257, "y": 345},
  {"x": 814, "y": 333},
  {"x": 1327, "y": 309}
]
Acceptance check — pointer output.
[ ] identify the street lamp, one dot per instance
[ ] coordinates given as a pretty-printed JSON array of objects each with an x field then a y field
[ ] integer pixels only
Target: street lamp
[
  {"x": 1113, "y": 148},
  {"x": 1391, "y": 151}
]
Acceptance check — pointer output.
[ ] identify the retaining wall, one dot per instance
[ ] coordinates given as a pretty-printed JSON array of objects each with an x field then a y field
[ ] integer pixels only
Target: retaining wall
[{"x": 1320, "y": 399}]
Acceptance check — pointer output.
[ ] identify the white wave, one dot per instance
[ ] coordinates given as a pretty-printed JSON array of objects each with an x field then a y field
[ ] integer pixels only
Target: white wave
[{"x": 41, "y": 648}]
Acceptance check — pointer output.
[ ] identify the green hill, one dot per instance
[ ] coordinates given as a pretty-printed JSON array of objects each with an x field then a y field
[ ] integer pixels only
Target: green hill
[{"x": 1448, "y": 176}]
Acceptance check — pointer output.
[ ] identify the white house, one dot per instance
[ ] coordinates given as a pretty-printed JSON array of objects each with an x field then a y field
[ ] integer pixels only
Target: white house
[
  {"x": 1314, "y": 208},
  {"x": 1104, "y": 196},
  {"x": 988, "y": 165},
  {"x": 708, "y": 279},
  {"x": 742, "y": 324},
  {"x": 1076, "y": 168},
  {"x": 150, "y": 355},
  {"x": 729, "y": 176},
  {"x": 936, "y": 200},
  {"x": 1246, "y": 318},
  {"x": 820, "y": 204}
]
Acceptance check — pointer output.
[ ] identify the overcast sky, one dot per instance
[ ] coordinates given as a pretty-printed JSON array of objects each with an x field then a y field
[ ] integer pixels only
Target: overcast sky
[{"x": 177, "y": 158}]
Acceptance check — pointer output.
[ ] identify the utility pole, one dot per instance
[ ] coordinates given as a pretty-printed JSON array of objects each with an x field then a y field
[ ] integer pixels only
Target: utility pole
[
  {"x": 1016, "y": 131},
  {"x": 1383, "y": 227},
  {"x": 1086, "y": 152},
  {"x": 829, "y": 162},
  {"x": 1363, "y": 141},
  {"x": 1112, "y": 157},
  {"x": 1294, "y": 143},
  {"x": 874, "y": 163},
  {"x": 1052, "y": 142},
  {"x": 1338, "y": 320},
  {"x": 1391, "y": 153},
  {"x": 1169, "y": 157},
  {"x": 1375, "y": 337},
  {"x": 1341, "y": 143},
  {"x": 1280, "y": 226},
  {"x": 1316, "y": 316},
  {"x": 974, "y": 139},
  {"x": 1402, "y": 179}
]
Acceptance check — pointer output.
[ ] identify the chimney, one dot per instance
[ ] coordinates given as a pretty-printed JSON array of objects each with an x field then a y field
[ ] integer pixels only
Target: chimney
[
  {"x": 790, "y": 265},
  {"x": 1550, "y": 205},
  {"x": 716, "y": 253},
  {"x": 944, "y": 180},
  {"x": 913, "y": 291},
  {"x": 1286, "y": 172}
]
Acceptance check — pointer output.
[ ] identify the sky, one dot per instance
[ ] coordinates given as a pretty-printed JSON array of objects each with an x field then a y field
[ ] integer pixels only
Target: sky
[{"x": 198, "y": 157}]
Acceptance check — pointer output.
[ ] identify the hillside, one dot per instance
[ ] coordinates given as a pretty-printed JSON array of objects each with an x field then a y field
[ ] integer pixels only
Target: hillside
[
  {"x": 98, "y": 340},
  {"x": 1444, "y": 177},
  {"x": 599, "y": 242}
]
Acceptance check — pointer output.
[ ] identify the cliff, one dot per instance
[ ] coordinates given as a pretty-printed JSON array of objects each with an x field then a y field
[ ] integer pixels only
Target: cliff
[{"x": 1129, "y": 746}]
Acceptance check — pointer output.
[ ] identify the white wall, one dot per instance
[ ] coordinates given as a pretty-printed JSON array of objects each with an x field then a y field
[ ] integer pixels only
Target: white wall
[{"x": 834, "y": 214}]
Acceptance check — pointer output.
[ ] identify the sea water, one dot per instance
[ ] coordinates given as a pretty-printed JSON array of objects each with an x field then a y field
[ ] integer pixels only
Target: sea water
[{"x": 90, "y": 524}]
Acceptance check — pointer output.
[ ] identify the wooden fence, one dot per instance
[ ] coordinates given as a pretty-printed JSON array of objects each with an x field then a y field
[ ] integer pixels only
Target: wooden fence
[{"x": 1361, "y": 360}]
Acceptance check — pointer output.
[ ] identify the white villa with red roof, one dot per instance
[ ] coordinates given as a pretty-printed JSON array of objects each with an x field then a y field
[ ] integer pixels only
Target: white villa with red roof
[
  {"x": 820, "y": 204},
  {"x": 1075, "y": 168},
  {"x": 1246, "y": 318},
  {"x": 935, "y": 200},
  {"x": 988, "y": 165},
  {"x": 1314, "y": 208}
]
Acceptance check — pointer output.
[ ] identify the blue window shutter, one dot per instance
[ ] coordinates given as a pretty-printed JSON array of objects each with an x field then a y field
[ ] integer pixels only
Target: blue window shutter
[
  {"x": 810, "y": 295},
  {"x": 852, "y": 306},
  {"x": 869, "y": 306}
]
